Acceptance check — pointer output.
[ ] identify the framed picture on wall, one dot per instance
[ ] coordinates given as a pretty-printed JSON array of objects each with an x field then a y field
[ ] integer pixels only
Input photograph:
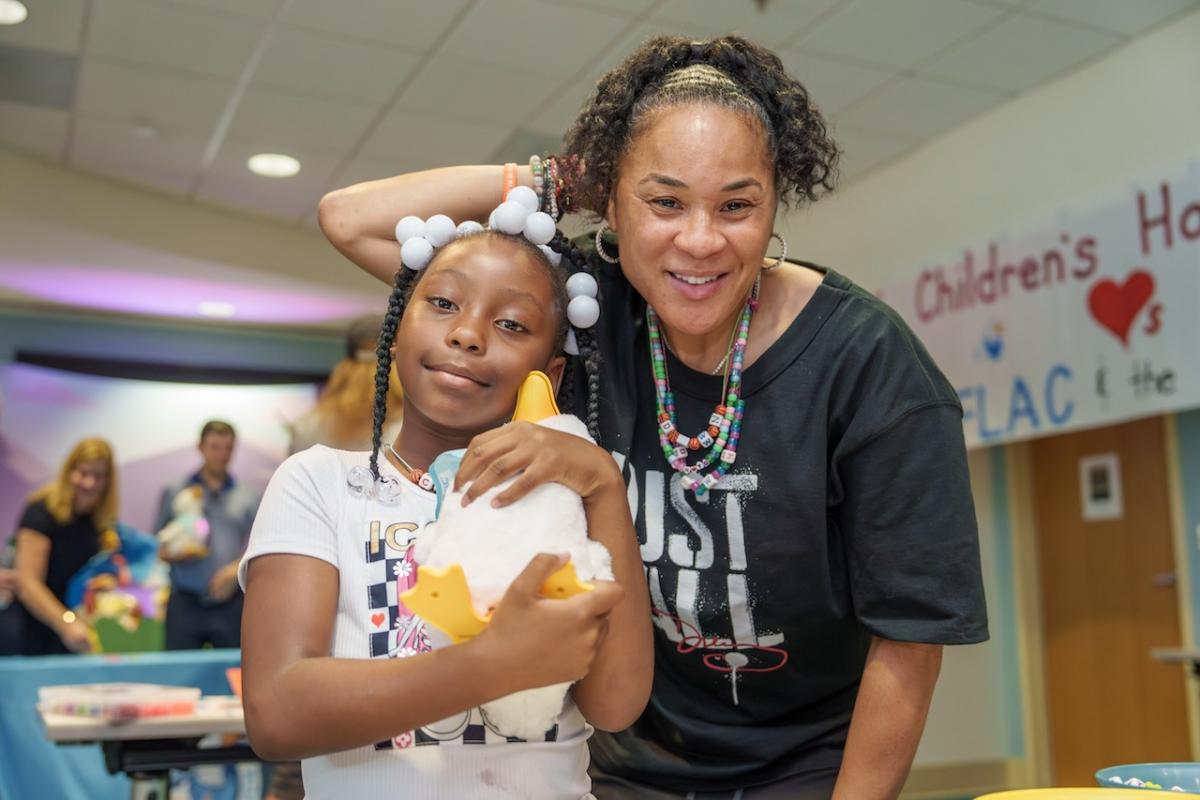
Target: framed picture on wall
[{"x": 1100, "y": 487}]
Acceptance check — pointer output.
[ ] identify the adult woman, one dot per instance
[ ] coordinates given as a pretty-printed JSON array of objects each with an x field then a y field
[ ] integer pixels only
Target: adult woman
[
  {"x": 342, "y": 416},
  {"x": 59, "y": 531},
  {"x": 802, "y": 599}
]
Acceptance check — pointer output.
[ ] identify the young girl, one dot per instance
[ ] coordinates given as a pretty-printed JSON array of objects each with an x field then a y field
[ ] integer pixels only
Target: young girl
[{"x": 337, "y": 671}]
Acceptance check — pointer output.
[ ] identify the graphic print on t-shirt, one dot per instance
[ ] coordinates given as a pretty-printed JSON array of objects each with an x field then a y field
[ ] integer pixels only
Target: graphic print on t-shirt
[
  {"x": 396, "y": 632},
  {"x": 688, "y": 556}
]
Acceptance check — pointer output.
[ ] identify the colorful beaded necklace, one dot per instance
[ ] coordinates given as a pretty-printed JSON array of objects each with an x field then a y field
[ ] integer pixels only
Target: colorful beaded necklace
[
  {"x": 724, "y": 426},
  {"x": 418, "y": 476}
]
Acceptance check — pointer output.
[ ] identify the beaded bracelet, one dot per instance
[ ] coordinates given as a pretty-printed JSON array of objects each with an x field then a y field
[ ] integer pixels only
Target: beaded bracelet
[
  {"x": 539, "y": 180},
  {"x": 552, "y": 187},
  {"x": 510, "y": 178}
]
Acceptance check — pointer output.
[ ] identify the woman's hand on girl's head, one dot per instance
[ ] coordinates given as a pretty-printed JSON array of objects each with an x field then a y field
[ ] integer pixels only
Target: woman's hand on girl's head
[
  {"x": 536, "y": 641},
  {"x": 534, "y": 454}
]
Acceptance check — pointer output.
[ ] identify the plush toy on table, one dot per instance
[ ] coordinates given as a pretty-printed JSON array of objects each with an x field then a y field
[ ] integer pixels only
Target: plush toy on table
[
  {"x": 186, "y": 535},
  {"x": 119, "y": 590},
  {"x": 469, "y": 556}
]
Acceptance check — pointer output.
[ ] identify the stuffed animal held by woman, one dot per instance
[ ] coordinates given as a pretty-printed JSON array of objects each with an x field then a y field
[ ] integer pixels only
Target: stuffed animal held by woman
[
  {"x": 469, "y": 556},
  {"x": 186, "y": 535}
]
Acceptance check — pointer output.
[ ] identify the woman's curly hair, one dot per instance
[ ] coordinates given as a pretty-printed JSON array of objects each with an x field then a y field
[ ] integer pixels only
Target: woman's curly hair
[{"x": 729, "y": 71}]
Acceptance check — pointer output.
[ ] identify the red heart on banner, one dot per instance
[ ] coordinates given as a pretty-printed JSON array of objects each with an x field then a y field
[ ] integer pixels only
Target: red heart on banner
[
  {"x": 1115, "y": 306},
  {"x": 377, "y": 619}
]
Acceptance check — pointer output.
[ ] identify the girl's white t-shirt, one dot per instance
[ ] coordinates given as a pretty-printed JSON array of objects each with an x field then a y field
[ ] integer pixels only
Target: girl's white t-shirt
[{"x": 313, "y": 508}]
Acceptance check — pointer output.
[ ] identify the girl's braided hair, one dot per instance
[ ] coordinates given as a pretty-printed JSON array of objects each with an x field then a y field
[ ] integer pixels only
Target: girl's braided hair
[
  {"x": 729, "y": 71},
  {"x": 589, "y": 356}
]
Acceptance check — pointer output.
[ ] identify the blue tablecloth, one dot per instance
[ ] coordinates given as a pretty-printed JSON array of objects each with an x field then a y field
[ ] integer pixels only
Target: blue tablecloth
[{"x": 32, "y": 766}]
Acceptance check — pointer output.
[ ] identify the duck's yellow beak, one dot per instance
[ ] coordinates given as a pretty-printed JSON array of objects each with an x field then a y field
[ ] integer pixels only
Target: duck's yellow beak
[{"x": 535, "y": 399}]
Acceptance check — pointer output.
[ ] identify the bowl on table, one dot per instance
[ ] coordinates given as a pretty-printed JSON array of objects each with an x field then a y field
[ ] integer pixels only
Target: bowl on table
[{"x": 1179, "y": 776}]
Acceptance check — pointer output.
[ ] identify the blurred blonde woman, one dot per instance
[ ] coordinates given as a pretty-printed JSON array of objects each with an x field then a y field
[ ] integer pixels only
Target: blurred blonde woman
[
  {"x": 342, "y": 416},
  {"x": 60, "y": 529}
]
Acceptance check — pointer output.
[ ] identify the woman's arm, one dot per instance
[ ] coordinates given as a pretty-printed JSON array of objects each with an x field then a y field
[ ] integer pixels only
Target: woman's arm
[
  {"x": 889, "y": 716},
  {"x": 31, "y": 563},
  {"x": 360, "y": 220},
  {"x": 617, "y": 688},
  {"x": 301, "y": 702}
]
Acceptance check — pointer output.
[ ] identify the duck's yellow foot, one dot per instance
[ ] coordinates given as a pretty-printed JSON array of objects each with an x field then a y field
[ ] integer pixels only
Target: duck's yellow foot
[
  {"x": 563, "y": 582},
  {"x": 441, "y": 598}
]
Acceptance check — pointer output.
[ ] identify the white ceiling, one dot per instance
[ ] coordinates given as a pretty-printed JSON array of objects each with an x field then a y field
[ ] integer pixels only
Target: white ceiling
[{"x": 177, "y": 94}]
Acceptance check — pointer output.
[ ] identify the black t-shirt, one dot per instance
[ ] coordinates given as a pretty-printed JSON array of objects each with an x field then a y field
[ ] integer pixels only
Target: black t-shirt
[
  {"x": 71, "y": 546},
  {"x": 847, "y": 514}
]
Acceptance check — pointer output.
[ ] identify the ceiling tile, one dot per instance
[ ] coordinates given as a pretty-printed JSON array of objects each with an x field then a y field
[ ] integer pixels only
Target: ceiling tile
[
  {"x": 639, "y": 36},
  {"x": 404, "y": 24},
  {"x": 776, "y": 24},
  {"x": 863, "y": 151},
  {"x": 917, "y": 109},
  {"x": 559, "y": 115},
  {"x": 259, "y": 9},
  {"x": 628, "y": 8},
  {"x": 308, "y": 63},
  {"x": 524, "y": 143},
  {"x": 368, "y": 168},
  {"x": 460, "y": 88},
  {"x": 169, "y": 99},
  {"x": 37, "y": 77},
  {"x": 533, "y": 36},
  {"x": 1119, "y": 16},
  {"x": 831, "y": 84},
  {"x": 276, "y": 120},
  {"x": 50, "y": 26},
  {"x": 172, "y": 36},
  {"x": 427, "y": 141},
  {"x": 1046, "y": 48},
  {"x": 166, "y": 161},
  {"x": 897, "y": 34},
  {"x": 33, "y": 128},
  {"x": 229, "y": 182}
]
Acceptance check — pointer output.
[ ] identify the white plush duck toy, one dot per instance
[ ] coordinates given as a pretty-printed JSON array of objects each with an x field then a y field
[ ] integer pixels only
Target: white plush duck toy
[{"x": 469, "y": 556}]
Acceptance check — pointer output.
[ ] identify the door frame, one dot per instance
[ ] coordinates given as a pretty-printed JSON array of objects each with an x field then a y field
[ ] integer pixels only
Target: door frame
[{"x": 1035, "y": 768}]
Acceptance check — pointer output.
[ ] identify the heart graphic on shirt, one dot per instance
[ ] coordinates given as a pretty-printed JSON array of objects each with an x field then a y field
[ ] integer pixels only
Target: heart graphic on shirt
[
  {"x": 378, "y": 619},
  {"x": 1115, "y": 306}
]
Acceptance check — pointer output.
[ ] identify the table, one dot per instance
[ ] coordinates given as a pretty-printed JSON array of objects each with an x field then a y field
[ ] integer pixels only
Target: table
[
  {"x": 148, "y": 749},
  {"x": 33, "y": 766}
]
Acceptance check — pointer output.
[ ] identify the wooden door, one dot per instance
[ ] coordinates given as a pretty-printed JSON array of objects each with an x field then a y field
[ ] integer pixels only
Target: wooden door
[{"x": 1108, "y": 597}]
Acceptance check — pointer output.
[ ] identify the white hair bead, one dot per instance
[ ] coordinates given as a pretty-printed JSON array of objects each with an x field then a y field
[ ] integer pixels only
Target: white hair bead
[
  {"x": 439, "y": 229},
  {"x": 554, "y": 257},
  {"x": 509, "y": 217},
  {"x": 539, "y": 227},
  {"x": 581, "y": 285},
  {"x": 583, "y": 311},
  {"x": 409, "y": 227},
  {"x": 467, "y": 228},
  {"x": 525, "y": 196},
  {"x": 416, "y": 253},
  {"x": 571, "y": 346}
]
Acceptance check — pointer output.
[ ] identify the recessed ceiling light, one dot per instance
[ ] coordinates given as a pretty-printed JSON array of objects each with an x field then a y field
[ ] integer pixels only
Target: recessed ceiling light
[
  {"x": 216, "y": 308},
  {"x": 12, "y": 12},
  {"x": 273, "y": 165}
]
